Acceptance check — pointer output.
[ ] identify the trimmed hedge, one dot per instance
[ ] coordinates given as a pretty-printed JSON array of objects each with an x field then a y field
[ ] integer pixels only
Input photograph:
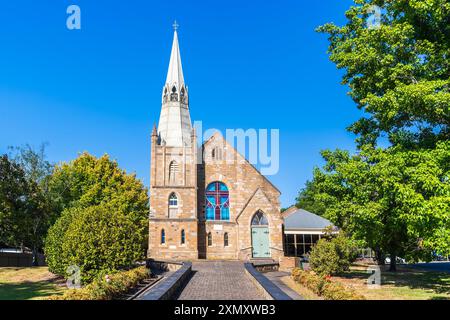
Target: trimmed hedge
[
  {"x": 101, "y": 289},
  {"x": 324, "y": 287}
]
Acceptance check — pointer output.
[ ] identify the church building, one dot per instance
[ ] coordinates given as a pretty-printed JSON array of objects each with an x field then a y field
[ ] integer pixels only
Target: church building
[{"x": 208, "y": 201}]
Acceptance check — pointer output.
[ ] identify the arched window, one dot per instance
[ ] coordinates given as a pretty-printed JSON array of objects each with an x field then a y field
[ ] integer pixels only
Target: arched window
[
  {"x": 259, "y": 219},
  {"x": 183, "y": 237},
  {"x": 174, "y": 94},
  {"x": 165, "y": 95},
  {"x": 216, "y": 154},
  {"x": 163, "y": 236},
  {"x": 173, "y": 205},
  {"x": 217, "y": 202},
  {"x": 173, "y": 169},
  {"x": 209, "y": 239},
  {"x": 225, "y": 239},
  {"x": 182, "y": 95}
]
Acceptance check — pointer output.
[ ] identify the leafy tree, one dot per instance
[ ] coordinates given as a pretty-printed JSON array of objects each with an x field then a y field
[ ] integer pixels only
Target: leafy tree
[
  {"x": 34, "y": 223},
  {"x": 306, "y": 201},
  {"x": 14, "y": 191},
  {"x": 85, "y": 186},
  {"x": 398, "y": 72},
  {"x": 33, "y": 162},
  {"x": 24, "y": 210},
  {"x": 397, "y": 201}
]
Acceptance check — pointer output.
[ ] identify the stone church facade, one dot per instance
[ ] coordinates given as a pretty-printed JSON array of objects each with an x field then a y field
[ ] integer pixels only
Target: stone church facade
[{"x": 206, "y": 202}]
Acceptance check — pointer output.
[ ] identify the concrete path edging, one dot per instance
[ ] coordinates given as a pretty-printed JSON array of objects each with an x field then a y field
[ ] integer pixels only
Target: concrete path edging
[
  {"x": 169, "y": 288},
  {"x": 272, "y": 291}
]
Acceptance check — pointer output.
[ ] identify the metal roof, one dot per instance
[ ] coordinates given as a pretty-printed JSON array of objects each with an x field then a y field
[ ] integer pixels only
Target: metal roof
[{"x": 302, "y": 219}]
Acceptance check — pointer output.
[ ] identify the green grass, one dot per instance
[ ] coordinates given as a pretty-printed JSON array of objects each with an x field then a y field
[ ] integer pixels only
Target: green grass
[
  {"x": 28, "y": 283},
  {"x": 405, "y": 284}
]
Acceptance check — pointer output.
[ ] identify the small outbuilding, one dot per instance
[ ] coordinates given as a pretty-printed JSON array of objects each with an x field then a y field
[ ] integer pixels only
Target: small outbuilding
[{"x": 302, "y": 230}]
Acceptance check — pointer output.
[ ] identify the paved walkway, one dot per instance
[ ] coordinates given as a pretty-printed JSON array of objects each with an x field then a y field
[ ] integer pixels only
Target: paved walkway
[
  {"x": 220, "y": 280},
  {"x": 275, "y": 277}
]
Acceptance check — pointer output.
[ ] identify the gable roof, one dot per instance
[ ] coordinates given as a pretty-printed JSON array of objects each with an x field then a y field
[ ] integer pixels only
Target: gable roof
[
  {"x": 302, "y": 219},
  {"x": 252, "y": 197},
  {"x": 217, "y": 134}
]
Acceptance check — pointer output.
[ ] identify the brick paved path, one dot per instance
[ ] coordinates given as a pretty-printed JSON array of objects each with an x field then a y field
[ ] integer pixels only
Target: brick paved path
[{"x": 220, "y": 280}]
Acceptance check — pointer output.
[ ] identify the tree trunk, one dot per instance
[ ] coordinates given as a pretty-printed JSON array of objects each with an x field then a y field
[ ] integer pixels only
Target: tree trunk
[
  {"x": 379, "y": 256},
  {"x": 393, "y": 264},
  {"x": 35, "y": 257}
]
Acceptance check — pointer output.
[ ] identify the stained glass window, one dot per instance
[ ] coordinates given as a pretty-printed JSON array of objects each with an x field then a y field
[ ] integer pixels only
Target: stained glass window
[
  {"x": 259, "y": 219},
  {"x": 217, "y": 202}
]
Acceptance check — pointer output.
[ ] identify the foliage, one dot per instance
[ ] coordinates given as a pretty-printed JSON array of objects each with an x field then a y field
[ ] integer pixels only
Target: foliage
[
  {"x": 333, "y": 256},
  {"x": 24, "y": 210},
  {"x": 306, "y": 201},
  {"x": 398, "y": 72},
  {"x": 397, "y": 201},
  {"x": 32, "y": 214},
  {"x": 103, "y": 225},
  {"x": 33, "y": 162},
  {"x": 88, "y": 181},
  {"x": 100, "y": 240},
  {"x": 107, "y": 288},
  {"x": 324, "y": 286},
  {"x": 14, "y": 192}
]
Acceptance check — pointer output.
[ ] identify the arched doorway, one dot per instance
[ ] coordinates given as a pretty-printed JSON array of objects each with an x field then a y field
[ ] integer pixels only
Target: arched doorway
[{"x": 260, "y": 236}]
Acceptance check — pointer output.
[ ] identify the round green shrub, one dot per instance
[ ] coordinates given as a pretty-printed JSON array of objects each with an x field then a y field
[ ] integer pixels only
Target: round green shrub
[
  {"x": 101, "y": 241},
  {"x": 332, "y": 256}
]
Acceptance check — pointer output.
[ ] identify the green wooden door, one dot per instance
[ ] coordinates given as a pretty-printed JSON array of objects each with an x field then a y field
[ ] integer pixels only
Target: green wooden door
[{"x": 260, "y": 242}]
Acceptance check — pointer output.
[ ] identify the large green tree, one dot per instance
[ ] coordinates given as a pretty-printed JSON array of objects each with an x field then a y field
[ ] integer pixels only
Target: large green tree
[
  {"x": 306, "y": 200},
  {"x": 397, "y": 201},
  {"x": 25, "y": 210},
  {"x": 14, "y": 193},
  {"x": 97, "y": 192},
  {"x": 40, "y": 216},
  {"x": 398, "y": 71}
]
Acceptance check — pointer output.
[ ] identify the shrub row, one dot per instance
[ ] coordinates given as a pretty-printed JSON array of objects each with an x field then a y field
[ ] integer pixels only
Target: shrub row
[
  {"x": 324, "y": 287},
  {"x": 107, "y": 287}
]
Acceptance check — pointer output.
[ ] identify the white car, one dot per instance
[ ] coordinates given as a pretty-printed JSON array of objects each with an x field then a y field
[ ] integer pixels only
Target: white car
[{"x": 399, "y": 260}]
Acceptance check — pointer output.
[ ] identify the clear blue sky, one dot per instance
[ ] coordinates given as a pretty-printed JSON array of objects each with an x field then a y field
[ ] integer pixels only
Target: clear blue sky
[{"x": 248, "y": 64}]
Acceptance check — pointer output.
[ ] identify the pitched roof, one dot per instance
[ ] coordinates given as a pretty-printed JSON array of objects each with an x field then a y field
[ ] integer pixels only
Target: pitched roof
[
  {"x": 218, "y": 135},
  {"x": 175, "y": 71},
  {"x": 302, "y": 219}
]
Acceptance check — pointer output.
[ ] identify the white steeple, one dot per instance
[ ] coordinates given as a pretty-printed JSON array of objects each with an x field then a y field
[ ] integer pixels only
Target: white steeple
[{"x": 175, "y": 127}]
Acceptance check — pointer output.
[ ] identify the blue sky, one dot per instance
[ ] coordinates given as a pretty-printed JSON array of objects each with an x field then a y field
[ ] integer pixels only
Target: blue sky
[{"x": 248, "y": 64}]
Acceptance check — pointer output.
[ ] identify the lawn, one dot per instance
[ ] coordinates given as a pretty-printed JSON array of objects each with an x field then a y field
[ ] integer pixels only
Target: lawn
[
  {"x": 28, "y": 283},
  {"x": 405, "y": 284}
]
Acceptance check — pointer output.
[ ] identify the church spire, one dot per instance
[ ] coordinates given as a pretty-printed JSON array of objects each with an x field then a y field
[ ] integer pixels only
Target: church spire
[
  {"x": 175, "y": 127},
  {"x": 175, "y": 72}
]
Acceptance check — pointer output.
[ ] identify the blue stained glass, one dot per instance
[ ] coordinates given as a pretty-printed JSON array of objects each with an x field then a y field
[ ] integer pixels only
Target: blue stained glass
[
  {"x": 225, "y": 214},
  {"x": 217, "y": 202},
  {"x": 210, "y": 213}
]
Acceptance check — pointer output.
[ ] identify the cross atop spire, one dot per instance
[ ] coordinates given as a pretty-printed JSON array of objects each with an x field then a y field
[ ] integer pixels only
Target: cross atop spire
[
  {"x": 175, "y": 25},
  {"x": 175, "y": 127},
  {"x": 175, "y": 72}
]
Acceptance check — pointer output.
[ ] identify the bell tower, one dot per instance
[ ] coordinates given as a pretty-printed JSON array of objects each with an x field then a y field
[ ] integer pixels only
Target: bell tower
[{"x": 173, "y": 222}]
